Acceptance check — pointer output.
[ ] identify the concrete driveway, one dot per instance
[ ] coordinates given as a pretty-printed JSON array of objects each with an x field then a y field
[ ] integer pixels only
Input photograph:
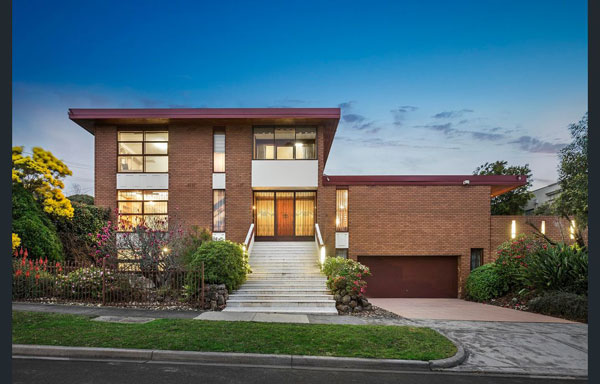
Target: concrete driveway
[{"x": 456, "y": 309}]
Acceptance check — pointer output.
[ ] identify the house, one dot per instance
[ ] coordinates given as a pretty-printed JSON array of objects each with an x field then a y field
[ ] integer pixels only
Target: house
[
  {"x": 259, "y": 173},
  {"x": 541, "y": 196}
]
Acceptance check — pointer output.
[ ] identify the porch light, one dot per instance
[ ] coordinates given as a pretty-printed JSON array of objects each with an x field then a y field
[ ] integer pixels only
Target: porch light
[
  {"x": 322, "y": 255},
  {"x": 513, "y": 229},
  {"x": 165, "y": 250},
  {"x": 543, "y": 227},
  {"x": 572, "y": 230}
]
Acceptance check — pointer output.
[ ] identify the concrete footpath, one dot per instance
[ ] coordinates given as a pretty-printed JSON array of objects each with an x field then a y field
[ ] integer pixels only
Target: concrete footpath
[{"x": 538, "y": 349}]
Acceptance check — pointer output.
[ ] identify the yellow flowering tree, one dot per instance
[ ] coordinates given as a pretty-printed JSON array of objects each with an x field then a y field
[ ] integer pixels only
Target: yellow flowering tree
[
  {"x": 16, "y": 241},
  {"x": 42, "y": 175}
]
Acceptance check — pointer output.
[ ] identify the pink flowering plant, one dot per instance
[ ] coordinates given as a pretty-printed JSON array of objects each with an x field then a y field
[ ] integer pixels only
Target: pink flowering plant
[
  {"x": 346, "y": 276},
  {"x": 514, "y": 257}
]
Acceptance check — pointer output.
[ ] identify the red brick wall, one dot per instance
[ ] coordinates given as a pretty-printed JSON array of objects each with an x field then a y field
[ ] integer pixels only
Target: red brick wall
[
  {"x": 413, "y": 221},
  {"x": 190, "y": 175},
  {"x": 238, "y": 194},
  {"x": 557, "y": 228},
  {"x": 105, "y": 167}
]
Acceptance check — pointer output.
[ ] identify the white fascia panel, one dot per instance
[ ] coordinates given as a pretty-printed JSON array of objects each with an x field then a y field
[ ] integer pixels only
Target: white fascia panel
[
  {"x": 277, "y": 174},
  {"x": 142, "y": 181},
  {"x": 218, "y": 181},
  {"x": 342, "y": 240}
]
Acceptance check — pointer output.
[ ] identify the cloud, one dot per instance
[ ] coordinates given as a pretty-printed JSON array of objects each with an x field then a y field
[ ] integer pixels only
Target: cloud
[
  {"x": 376, "y": 142},
  {"x": 451, "y": 114},
  {"x": 346, "y": 105},
  {"x": 353, "y": 117},
  {"x": 399, "y": 113},
  {"x": 487, "y": 136},
  {"x": 531, "y": 144},
  {"x": 448, "y": 130}
]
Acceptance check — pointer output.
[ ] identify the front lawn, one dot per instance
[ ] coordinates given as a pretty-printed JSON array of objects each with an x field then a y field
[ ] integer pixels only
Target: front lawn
[{"x": 370, "y": 341}]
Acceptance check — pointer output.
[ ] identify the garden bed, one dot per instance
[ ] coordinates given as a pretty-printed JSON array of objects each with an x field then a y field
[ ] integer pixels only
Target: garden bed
[{"x": 367, "y": 341}]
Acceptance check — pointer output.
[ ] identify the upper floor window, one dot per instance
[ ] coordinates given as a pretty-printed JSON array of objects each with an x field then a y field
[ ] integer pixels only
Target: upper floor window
[
  {"x": 143, "y": 151},
  {"x": 285, "y": 143},
  {"x": 219, "y": 150},
  {"x": 341, "y": 210}
]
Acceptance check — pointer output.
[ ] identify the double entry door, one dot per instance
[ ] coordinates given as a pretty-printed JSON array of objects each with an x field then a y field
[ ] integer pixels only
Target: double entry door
[{"x": 285, "y": 215}]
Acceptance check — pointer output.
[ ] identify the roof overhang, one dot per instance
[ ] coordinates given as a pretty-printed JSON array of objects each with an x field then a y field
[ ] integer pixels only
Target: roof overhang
[
  {"x": 92, "y": 118},
  {"x": 499, "y": 183}
]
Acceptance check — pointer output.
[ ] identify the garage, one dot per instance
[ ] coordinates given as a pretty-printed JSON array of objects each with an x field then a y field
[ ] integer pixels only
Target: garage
[{"x": 411, "y": 276}]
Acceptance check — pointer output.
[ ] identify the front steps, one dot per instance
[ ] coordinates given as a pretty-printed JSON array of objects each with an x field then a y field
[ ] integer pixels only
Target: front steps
[{"x": 285, "y": 278}]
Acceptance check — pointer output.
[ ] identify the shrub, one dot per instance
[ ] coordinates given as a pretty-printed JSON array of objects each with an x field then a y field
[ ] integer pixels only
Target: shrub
[
  {"x": 559, "y": 268},
  {"x": 345, "y": 276},
  {"x": 33, "y": 226},
  {"x": 485, "y": 283},
  {"x": 82, "y": 199},
  {"x": 514, "y": 256},
  {"x": 561, "y": 304},
  {"x": 74, "y": 232},
  {"x": 224, "y": 263},
  {"x": 86, "y": 282},
  {"x": 189, "y": 243}
]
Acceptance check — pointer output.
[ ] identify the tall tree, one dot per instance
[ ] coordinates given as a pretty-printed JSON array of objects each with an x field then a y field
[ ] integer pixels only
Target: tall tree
[
  {"x": 573, "y": 176},
  {"x": 509, "y": 203}
]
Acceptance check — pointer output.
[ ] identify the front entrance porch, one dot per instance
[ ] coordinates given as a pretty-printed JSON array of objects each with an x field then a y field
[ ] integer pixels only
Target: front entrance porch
[{"x": 285, "y": 215}]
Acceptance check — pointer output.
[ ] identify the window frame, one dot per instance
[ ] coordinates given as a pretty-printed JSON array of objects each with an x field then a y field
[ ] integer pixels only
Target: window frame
[
  {"x": 224, "y": 211},
  {"x": 347, "y": 228},
  {"x": 273, "y": 127},
  {"x": 143, "y": 155},
  {"x": 142, "y": 214},
  {"x": 219, "y": 130},
  {"x": 481, "y": 258}
]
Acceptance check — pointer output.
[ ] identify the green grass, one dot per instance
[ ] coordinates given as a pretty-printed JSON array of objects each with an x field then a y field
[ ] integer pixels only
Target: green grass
[{"x": 371, "y": 341}]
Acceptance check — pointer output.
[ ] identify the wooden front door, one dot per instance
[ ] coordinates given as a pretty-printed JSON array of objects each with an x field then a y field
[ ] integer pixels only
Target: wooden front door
[{"x": 285, "y": 214}]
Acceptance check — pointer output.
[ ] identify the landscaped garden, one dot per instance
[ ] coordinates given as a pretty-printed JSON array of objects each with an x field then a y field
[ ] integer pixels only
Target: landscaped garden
[
  {"x": 67, "y": 250},
  {"x": 368, "y": 341},
  {"x": 533, "y": 274}
]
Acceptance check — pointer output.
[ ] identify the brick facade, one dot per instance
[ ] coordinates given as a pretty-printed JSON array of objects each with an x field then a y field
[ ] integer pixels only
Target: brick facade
[{"x": 384, "y": 220}]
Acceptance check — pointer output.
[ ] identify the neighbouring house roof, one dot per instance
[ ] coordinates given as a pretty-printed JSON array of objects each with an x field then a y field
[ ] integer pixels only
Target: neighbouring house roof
[
  {"x": 499, "y": 183},
  {"x": 90, "y": 118}
]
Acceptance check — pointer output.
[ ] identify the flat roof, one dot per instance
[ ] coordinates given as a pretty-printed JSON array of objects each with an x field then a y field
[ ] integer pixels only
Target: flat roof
[
  {"x": 499, "y": 183},
  {"x": 90, "y": 118}
]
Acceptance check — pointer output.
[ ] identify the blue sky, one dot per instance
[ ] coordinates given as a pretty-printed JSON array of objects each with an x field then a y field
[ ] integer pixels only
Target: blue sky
[{"x": 425, "y": 87}]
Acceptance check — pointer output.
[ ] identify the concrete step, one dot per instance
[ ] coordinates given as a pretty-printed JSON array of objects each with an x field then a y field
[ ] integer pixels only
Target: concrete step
[
  {"x": 294, "y": 303},
  {"x": 305, "y": 310},
  {"x": 282, "y": 291},
  {"x": 278, "y": 296}
]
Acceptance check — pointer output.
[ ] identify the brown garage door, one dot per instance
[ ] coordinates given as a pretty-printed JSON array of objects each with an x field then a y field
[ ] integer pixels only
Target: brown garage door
[{"x": 411, "y": 276}]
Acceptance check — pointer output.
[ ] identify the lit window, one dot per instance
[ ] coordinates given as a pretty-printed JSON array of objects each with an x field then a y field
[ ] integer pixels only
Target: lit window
[
  {"x": 341, "y": 210},
  {"x": 219, "y": 150},
  {"x": 147, "y": 208},
  {"x": 219, "y": 210},
  {"x": 143, "y": 151},
  {"x": 572, "y": 230},
  {"x": 513, "y": 229},
  {"x": 285, "y": 143}
]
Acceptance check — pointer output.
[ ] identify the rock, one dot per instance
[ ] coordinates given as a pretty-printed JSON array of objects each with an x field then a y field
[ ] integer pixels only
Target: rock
[
  {"x": 364, "y": 302},
  {"x": 221, "y": 286},
  {"x": 346, "y": 299},
  {"x": 337, "y": 297},
  {"x": 213, "y": 305},
  {"x": 342, "y": 308},
  {"x": 220, "y": 300},
  {"x": 352, "y": 304},
  {"x": 213, "y": 295},
  {"x": 358, "y": 309}
]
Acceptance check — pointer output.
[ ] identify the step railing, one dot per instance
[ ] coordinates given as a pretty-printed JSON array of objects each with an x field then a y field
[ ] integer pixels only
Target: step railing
[
  {"x": 320, "y": 245},
  {"x": 249, "y": 242}
]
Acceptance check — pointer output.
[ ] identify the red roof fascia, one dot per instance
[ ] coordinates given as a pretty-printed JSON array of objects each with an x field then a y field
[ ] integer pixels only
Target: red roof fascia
[
  {"x": 204, "y": 113},
  {"x": 516, "y": 180}
]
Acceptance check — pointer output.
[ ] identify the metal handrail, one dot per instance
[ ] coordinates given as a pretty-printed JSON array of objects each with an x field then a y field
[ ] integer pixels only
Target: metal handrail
[
  {"x": 320, "y": 245},
  {"x": 249, "y": 239}
]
